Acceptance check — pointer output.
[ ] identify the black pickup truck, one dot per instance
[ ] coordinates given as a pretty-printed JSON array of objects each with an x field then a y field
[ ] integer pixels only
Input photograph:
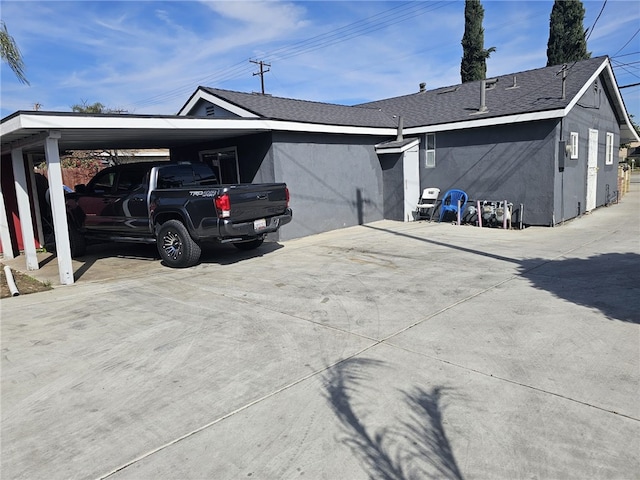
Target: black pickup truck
[{"x": 178, "y": 206}]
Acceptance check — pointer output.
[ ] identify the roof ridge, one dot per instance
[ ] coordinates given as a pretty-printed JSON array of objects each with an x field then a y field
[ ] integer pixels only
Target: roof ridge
[
  {"x": 257, "y": 95},
  {"x": 505, "y": 75}
]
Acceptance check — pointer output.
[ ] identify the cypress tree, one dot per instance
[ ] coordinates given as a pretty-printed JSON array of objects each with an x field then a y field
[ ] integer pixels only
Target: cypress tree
[
  {"x": 474, "y": 56},
  {"x": 567, "y": 42}
]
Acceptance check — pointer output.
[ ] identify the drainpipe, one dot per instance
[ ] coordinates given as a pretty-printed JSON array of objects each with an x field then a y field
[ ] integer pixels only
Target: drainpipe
[{"x": 11, "y": 282}]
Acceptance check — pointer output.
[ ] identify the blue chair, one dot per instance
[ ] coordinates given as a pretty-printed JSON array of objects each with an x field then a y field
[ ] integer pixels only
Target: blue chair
[{"x": 450, "y": 202}]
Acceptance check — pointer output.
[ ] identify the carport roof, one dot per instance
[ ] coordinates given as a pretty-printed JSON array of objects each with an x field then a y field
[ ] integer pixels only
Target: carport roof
[{"x": 81, "y": 131}]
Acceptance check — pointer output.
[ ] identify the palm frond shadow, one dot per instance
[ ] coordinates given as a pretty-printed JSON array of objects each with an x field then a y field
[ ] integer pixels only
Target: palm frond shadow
[
  {"x": 384, "y": 451},
  {"x": 426, "y": 431}
]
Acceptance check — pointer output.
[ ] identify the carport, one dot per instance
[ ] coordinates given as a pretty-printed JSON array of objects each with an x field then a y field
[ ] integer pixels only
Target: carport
[{"x": 25, "y": 134}]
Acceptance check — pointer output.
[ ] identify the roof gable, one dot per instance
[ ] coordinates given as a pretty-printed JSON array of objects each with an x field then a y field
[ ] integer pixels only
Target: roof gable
[
  {"x": 254, "y": 105},
  {"x": 519, "y": 97},
  {"x": 524, "y": 96},
  {"x": 524, "y": 92}
]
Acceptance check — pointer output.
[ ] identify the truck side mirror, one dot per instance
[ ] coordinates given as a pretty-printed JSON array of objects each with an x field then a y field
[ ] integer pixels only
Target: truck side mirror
[{"x": 82, "y": 188}]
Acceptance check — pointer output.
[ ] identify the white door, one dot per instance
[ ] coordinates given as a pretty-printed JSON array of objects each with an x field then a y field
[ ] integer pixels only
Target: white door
[
  {"x": 411, "y": 172},
  {"x": 592, "y": 170}
]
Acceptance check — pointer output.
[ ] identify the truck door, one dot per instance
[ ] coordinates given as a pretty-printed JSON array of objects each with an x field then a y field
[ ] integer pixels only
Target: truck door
[
  {"x": 116, "y": 200},
  {"x": 129, "y": 208},
  {"x": 96, "y": 202}
]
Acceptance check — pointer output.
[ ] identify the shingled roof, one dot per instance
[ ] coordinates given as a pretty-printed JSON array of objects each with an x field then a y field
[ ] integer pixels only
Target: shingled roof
[
  {"x": 288, "y": 109},
  {"x": 510, "y": 98},
  {"x": 524, "y": 92}
]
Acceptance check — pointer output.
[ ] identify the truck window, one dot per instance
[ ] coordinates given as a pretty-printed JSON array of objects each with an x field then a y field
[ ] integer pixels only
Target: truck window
[
  {"x": 204, "y": 175},
  {"x": 103, "y": 183},
  {"x": 130, "y": 180},
  {"x": 188, "y": 175},
  {"x": 175, "y": 176}
]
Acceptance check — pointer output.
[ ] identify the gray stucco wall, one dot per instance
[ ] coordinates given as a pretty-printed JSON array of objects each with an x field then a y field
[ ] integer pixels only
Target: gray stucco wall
[
  {"x": 508, "y": 162},
  {"x": 594, "y": 111},
  {"x": 254, "y": 156},
  {"x": 335, "y": 181}
]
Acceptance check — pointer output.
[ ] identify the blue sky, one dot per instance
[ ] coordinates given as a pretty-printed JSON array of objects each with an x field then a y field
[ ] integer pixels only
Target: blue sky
[{"x": 147, "y": 57}]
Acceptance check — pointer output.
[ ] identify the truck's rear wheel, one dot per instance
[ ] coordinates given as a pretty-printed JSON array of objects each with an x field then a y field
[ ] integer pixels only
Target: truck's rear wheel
[
  {"x": 175, "y": 245},
  {"x": 249, "y": 245}
]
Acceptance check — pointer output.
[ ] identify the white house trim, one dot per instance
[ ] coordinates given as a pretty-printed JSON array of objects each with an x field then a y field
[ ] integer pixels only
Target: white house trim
[
  {"x": 28, "y": 121},
  {"x": 201, "y": 95},
  {"x": 381, "y": 148},
  {"x": 486, "y": 122}
]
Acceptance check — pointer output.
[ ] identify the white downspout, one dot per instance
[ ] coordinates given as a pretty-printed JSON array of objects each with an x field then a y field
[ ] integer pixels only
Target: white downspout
[{"x": 11, "y": 282}]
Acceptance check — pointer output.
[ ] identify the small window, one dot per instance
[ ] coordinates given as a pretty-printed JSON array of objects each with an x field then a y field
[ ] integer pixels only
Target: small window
[
  {"x": 431, "y": 150},
  {"x": 609, "y": 152},
  {"x": 574, "y": 145}
]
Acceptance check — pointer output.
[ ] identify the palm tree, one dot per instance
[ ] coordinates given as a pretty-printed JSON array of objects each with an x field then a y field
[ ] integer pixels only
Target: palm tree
[{"x": 11, "y": 54}]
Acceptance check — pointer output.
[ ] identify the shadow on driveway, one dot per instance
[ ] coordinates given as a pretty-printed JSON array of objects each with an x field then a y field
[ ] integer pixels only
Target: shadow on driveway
[
  {"x": 607, "y": 282},
  {"x": 427, "y": 454},
  {"x": 224, "y": 254}
]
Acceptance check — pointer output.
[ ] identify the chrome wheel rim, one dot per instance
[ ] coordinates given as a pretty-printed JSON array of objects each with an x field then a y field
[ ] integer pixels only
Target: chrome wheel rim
[{"x": 172, "y": 245}]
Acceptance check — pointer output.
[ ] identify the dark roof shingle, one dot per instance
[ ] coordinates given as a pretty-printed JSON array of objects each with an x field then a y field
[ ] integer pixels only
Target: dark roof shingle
[
  {"x": 288, "y": 109},
  {"x": 530, "y": 91},
  {"x": 524, "y": 92}
]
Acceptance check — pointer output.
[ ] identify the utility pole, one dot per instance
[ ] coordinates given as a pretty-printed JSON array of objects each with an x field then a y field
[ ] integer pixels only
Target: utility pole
[{"x": 261, "y": 72}]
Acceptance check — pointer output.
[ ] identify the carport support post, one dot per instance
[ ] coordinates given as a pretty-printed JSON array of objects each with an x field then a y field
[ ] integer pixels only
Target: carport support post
[
  {"x": 36, "y": 201},
  {"x": 5, "y": 236},
  {"x": 58, "y": 209},
  {"x": 24, "y": 209}
]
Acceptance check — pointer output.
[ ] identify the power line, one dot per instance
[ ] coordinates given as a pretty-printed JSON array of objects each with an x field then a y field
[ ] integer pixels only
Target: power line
[
  {"x": 596, "y": 20},
  {"x": 397, "y": 14},
  {"x": 386, "y": 18},
  {"x": 625, "y": 55},
  {"x": 628, "y": 42}
]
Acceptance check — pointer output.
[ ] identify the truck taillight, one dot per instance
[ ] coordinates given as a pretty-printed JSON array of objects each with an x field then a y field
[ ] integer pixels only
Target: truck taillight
[
  {"x": 286, "y": 192},
  {"x": 223, "y": 205}
]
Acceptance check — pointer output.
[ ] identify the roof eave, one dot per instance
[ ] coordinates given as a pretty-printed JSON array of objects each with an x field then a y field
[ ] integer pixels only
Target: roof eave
[{"x": 487, "y": 122}]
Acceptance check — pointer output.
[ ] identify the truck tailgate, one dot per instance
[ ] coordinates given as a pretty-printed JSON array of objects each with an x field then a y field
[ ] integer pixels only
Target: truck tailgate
[{"x": 250, "y": 202}]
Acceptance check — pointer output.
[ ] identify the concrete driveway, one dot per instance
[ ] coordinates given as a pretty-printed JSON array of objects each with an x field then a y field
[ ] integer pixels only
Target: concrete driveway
[{"x": 390, "y": 350}]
